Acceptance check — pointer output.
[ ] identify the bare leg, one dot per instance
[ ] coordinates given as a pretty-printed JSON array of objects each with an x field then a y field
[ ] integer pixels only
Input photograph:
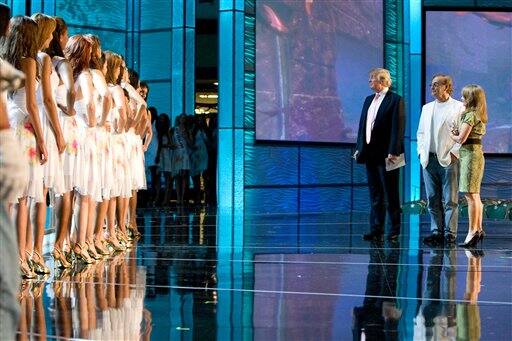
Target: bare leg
[
  {"x": 133, "y": 209},
  {"x": 40, "y": 222},
  {"x": 65, "y": 220}
]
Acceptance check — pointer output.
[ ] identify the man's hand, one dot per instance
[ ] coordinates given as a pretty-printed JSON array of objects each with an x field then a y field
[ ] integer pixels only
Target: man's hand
[{"x": 392, "y": 158}]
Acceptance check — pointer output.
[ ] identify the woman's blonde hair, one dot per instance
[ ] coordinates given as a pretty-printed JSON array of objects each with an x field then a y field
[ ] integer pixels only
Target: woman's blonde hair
[
  {"x": 45, "y": 25},
  {"x": 382, "y": 75},
  {"x": 474, "y": 95}
]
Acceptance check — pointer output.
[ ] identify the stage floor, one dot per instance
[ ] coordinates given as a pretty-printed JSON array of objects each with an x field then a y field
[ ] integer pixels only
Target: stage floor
[{"x": 198, "y": 275}]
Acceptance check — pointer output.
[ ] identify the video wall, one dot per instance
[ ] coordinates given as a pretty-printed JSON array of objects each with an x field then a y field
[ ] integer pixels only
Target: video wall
[
  {"x": 475, "y": 47},
  {"x": 312, "y": 62}
]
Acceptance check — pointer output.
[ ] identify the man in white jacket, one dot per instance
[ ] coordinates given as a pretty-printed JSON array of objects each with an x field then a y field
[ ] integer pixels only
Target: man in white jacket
[{"x": 438, "y": 155}]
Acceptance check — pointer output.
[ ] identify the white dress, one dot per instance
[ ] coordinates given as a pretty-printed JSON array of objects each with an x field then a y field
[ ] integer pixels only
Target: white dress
[
  {"x": 180, "y": 155},
  {"x": 70, "y": 131},
  {"x": 88, "y": 166},
  {"x": 103, "y": 139},
  {"x": 53, "y": 174},
  {"x": 122, "y": 182},
  {"x": 19, "y": 120},
  {"x": 199, "y": 155}
]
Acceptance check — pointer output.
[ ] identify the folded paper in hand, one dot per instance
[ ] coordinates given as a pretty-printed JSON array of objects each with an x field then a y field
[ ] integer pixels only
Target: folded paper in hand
[{"x": 399, "y": 162}]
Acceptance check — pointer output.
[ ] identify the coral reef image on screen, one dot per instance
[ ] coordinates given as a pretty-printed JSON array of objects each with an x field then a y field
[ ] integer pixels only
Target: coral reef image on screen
[
  {"x": 312, "y": 64},
  {"x": 475, "y": 48}
]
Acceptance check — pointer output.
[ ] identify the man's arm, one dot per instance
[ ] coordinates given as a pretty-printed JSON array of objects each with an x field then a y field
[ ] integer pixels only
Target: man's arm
[{"x": 397, "y": 129}]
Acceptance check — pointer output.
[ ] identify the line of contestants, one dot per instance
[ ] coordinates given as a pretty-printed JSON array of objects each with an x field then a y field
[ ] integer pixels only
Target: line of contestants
[{"x": 81, "y": 123}]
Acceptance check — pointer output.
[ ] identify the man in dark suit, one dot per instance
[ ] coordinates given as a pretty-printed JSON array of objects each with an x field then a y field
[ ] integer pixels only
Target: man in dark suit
[{"x": 381, "y": 137}]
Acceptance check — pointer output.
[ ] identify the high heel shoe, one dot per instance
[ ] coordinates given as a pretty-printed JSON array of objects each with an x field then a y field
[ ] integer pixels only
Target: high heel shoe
[
  {"x": 82, "y": 254},
  {"x": 100, "y": 246},
  {"x": 471, "y": 240},
  {"x": 26, "y": 271},
  {"x": 92, "y": 251},
  {"x": 481, "y": 236},
  {"x": 60, "y": 258},
  {"x": 38, "y": 264},
  {"x": 115, "y": 245}
]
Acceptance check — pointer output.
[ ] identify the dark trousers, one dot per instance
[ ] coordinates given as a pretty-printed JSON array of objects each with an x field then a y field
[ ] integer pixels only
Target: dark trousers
[{"x": 384, "y": 189}]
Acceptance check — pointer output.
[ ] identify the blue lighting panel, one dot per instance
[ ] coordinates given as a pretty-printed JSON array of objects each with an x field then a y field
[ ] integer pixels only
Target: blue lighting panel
[
  {"x": 360, "y": 199},
  {"x": 237, "y": 5},
  {"x": 249, "y": 100},
  {"x": 271, "y": 200},
  {"x": 238, "y": 79},
  {"x": 155, "y": 55},
  {"x": 325, "y": 199},
  {"x": 189, "y": 70},
  {"x": 106, "y": 13},
  {"x": 415, "y": 25},
  {"x": 190, "y": 13},
  {"x": 177, "y": 64},
  {"x": 160, "y": 97},
  {"x": 178, "y": 20},
  {"x": 225, "y": 168},
  {"x": 323, "y": 165},
  {"x": 238, "y": 169},
  {"x": 271, "y": 165},
  {"x": 226, "y": 70},
  {"x": 155, "y": 14}
]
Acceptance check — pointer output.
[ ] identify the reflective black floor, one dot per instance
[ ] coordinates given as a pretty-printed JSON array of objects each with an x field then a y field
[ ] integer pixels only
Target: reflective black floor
[{"x": 197, "y": 275}]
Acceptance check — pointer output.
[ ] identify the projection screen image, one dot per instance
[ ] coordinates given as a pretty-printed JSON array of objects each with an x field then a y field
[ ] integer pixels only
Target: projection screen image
[
  {"x": 312, "y": 63},
  {"x": 475, "y": 47}
]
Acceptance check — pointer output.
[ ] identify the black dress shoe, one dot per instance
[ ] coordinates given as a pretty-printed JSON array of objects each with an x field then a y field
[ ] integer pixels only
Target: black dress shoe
[
  {"x": 434, "y": 239},
  {"x": 375, "y": 236}
]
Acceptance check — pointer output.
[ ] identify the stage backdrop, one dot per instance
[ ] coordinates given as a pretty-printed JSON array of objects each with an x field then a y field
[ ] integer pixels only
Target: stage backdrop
[
  {"x": 475, "y": 47},
  {"x": 312, "y": 62}
]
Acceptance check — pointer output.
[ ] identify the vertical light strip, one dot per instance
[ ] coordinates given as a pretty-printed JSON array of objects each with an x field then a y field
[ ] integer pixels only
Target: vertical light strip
[
  {"x": 230, "y": 166},
  {"x": 415, "y": 25},
  {"x": 183, "y": 58}
]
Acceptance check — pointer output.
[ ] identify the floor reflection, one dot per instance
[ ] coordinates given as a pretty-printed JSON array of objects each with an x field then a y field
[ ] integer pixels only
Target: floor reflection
[{"x": 177, "y": 282}]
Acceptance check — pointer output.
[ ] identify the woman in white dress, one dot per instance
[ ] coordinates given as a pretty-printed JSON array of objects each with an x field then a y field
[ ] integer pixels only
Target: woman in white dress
[
  {"x": 181, "y": 157},
  {"x": 95, "y": 235},
  {"x": 53, "y": 173},
  {"x": 137, "y": 125},
  {"x": 78, "y": 52},
  {"x": 120, "y": 166},
  {"x": 65, "y": 98},
  {"x": 20, "y": 49}
]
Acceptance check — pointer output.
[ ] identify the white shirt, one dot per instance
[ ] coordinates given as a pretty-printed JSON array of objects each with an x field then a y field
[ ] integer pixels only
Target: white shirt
[
  {"x": 372, "y": 112},
  {"x": 434, "y": 128}
]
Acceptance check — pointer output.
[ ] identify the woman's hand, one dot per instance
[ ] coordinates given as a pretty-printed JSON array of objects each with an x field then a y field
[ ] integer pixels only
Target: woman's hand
[
  {"x": 41, "y": 151},
  {"x": 61, "y": 143}
]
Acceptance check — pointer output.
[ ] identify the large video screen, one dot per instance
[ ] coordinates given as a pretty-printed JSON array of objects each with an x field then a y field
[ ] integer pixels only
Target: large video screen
[
  {"x": 475, "y": 48},
  {"x": 312, "y": 64}
]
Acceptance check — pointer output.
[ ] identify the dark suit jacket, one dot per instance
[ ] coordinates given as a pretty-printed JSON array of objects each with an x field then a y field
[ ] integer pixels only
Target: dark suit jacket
[{"x": 388, "y": 130}]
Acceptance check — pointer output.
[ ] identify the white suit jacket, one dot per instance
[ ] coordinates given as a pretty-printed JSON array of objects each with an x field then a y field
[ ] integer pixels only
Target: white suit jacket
[{"x": 445, "y": 145}]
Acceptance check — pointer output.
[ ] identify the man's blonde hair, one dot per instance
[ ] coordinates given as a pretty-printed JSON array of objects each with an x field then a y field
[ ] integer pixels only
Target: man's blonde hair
[{"x": 382, "y": 75}]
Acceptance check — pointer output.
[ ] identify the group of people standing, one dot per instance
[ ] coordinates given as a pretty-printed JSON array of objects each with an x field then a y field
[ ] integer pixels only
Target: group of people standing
[
  {"x": 179, "y": 153},
  {"x": 78, "y": 128},
  {"x": 449, "y": 146}
]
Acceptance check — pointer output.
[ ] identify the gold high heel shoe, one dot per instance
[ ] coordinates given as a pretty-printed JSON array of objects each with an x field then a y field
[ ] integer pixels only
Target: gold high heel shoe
[
  {"x": 26, "y": 271},
  {"x": 82, "y": 254},
  {"x": 115, "y": 245},
  {"x": 100, "y": 246},
  {"x": 38, "y": 264},
  {"x": 60, "y": 258},
  {"x": 92, "y": 251}
]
